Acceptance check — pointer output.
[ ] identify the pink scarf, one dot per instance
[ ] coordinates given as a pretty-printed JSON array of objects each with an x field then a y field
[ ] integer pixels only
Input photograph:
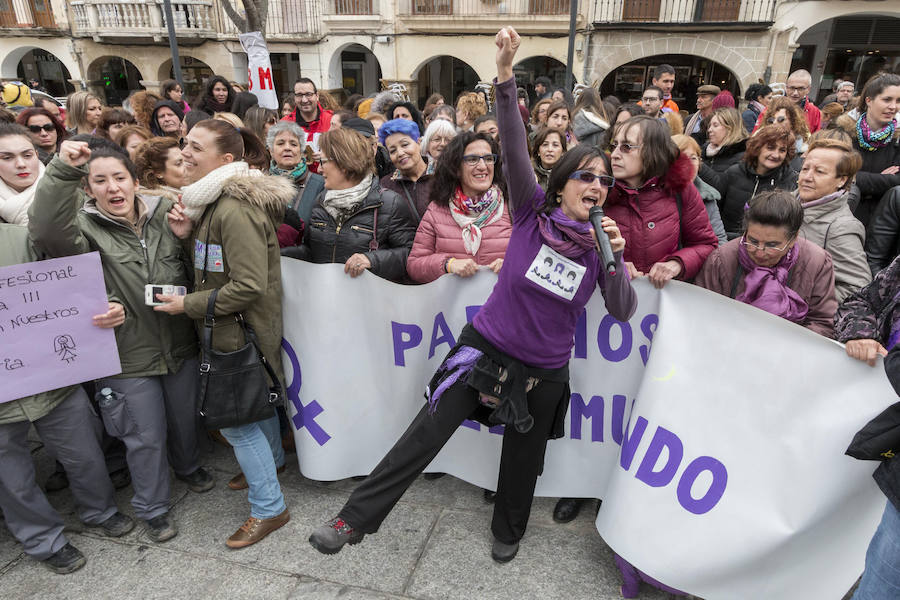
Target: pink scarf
[{"x": 766, "y": 287}]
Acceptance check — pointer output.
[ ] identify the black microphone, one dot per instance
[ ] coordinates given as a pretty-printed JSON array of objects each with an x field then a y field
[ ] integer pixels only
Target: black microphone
[{"x": 609, "y": 261}]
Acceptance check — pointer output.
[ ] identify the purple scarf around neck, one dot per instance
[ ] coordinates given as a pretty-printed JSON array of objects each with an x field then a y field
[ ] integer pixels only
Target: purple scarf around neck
[
  {"x": 766, "y": 287},
  {"x": 567, "y": 236}
]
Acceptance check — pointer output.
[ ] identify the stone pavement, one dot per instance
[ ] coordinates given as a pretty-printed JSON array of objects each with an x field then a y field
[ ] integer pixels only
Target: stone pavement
[{"x": 435, "y": 545}]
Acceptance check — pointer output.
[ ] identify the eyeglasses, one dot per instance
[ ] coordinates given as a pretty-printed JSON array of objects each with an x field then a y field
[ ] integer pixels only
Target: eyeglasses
[
  {"x": 48, "y": 127},
  {"x": 798, "y": 89},
  {"x": 473, "y": 159},
  {"x": 606, "y": 181},
  {"x": 306, "y": 95},
  {"x": 624, "y": 147},
  {"x": 768, "y": 246},
  {"x": 649, "y": 99}
]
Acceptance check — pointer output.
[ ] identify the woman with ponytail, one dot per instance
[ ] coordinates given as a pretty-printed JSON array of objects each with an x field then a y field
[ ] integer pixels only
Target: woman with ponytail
[{"x": 232, "y": 213}]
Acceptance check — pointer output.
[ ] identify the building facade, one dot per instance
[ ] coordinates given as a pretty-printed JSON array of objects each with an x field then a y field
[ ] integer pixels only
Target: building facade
[{"x": 114, "y": 46}]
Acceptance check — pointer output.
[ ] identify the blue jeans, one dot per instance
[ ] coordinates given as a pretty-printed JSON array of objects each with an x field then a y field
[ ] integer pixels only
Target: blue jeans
[
  {"x": 257, "y": 447},
  {"x": 881, "y": 579}
]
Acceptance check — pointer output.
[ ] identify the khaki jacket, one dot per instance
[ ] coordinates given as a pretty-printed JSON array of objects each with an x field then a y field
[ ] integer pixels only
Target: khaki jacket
[{"x": 237, "y": 238}]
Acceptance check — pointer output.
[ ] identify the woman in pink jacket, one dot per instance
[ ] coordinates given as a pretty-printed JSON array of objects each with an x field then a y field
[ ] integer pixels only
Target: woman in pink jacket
[
  {"x": 655, "y": 203},
  {"x": 468, "y": 228}
]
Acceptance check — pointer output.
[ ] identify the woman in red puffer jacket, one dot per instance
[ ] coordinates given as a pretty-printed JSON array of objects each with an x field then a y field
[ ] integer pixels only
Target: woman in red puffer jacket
[{"x": 655, "y": 204}]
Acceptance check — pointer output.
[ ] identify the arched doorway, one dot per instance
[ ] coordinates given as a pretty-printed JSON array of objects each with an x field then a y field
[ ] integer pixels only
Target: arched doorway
[
  {"x": 360, "y": 72},
  {"x": 629, "y": 80},
  {"x": 50, "y": 73},
  {"x": 115, "y": 78},
  {"x": 851, "y": 48},
  {"x": 526, "y": 71},
  {"x": 194, "y": 73},
  {"x": 444, "y": 75}
]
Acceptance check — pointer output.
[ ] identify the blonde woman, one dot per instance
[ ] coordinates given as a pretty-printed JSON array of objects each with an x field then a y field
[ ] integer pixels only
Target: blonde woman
[
  {"x": 726, "y": 139},
  {"x": 83, "y": 112},
  {"x": 469, "y": 106}
]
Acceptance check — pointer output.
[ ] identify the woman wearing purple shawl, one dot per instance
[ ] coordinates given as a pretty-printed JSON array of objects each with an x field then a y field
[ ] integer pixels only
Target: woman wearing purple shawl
[
  {"x": 510, "y": 365},
  {"x": 773, "y": 269}
]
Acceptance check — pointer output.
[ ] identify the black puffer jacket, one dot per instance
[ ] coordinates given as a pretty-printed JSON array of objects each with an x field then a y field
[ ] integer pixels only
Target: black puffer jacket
[
  {"x": 883, "y": 234},
  {"x": 725, "y": 157},
  {"x": 872, "y": 184},
  {"x": 327, "y": 242},
  {"x": 738, "y": 184}
]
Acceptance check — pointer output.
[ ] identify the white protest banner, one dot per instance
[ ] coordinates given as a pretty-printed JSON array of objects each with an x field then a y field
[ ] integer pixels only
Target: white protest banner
[
  {"x": 719, "y": 456},
  {"x": 47, "y": 339},
  {"x": 259, "y": 69}
]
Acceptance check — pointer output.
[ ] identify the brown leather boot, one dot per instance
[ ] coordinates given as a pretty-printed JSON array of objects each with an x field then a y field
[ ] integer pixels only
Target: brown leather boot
[
  {"x": 253, "y": 530},
  {"x": 239, "y": 481}
]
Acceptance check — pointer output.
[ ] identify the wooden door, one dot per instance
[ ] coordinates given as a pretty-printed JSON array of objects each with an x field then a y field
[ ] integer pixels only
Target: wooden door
[
  {"x": 7, "y": 14},
  {"x": 720, "y": 11},
  {"x": 641, "y": 10}
]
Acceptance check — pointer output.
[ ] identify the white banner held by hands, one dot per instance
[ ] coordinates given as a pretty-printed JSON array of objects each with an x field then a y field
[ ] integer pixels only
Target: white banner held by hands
[{"x": 259, "y": 69}]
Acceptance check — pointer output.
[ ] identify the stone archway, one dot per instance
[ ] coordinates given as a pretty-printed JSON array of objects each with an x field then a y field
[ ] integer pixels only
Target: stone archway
[
  {"x": 114, "y": 78},
  {"x": 355, "y": 62},
  {"x": 745, "y": 71},
  {"x": 444, "y": 75},
  {"x": 194, "y": 73},
  {"x": 9, "y": 66}
]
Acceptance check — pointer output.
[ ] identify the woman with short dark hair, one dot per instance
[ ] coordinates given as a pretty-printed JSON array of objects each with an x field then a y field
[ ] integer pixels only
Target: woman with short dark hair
[
  {"x": 172, "y": 90},
  {"x": 774, "y": 269},
  {"x": 654, "y": 185},
  {"x": 757, "y": 96},
  {"x": 217, "y": 96},
  {"x": 112, "y": 120},
  {"x": 408, "y": 111},
  {"x": 46, "y": 132}
]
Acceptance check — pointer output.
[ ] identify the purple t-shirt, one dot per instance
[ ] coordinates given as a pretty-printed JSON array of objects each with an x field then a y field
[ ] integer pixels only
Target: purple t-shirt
[{"x": 532, "y": 312}]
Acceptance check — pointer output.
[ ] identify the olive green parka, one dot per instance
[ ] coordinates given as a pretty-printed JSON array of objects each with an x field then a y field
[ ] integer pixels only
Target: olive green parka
[{"x": 150, "y": 343}]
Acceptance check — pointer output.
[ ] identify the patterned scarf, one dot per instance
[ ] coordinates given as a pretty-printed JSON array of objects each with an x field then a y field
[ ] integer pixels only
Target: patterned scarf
[
  {"x": 766, "y": 287},
  {"x": 471, "y": 214},
  {"x": 297, "y": 173},
  {"x": 873, "y": 140},
  {"x": 207, "y": 190},
  {"x": 340, "y": 204},
  {"x": 570, "y": 238}
]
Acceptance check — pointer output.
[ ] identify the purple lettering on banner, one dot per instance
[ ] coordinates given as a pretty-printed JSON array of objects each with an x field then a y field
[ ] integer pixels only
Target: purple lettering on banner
[
  {"x": 445, "y": 337},
  {"x": 593, "y": 410},
  {"x": 624, "y": 349},
  {"x": 472, "y": 424},
  {"x": 631, "y": 442},
  {"x": 498, "y": 429},
  {"x": 663, "y": 438},
  {"x": 413, "y": 339},
  {"x": 716, "y": 488},
  {"x": 618, "y": 418},
  {"x": 648, "y": 328},
  {"x": 471, "y": 311},
  {"x": 306, "y": 415},
  {"x": 581, "y": 335}
]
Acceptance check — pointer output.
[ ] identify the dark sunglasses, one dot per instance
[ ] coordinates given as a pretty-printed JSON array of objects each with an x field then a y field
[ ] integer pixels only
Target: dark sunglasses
[
  {"x": 48, "y": 127},
  {"x": 606, "y": 181}
]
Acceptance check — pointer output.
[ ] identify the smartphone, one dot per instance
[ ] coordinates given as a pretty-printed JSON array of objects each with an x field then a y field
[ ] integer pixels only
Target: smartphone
[{"x": 152, "y": 289}]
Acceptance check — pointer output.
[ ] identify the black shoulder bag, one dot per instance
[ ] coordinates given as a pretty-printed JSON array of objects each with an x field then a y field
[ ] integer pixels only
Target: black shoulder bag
[{"x": 234, "y": 389}]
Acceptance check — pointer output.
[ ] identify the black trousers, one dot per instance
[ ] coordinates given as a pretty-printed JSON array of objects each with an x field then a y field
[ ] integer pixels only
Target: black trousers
[{"x": 521, "y": 461}]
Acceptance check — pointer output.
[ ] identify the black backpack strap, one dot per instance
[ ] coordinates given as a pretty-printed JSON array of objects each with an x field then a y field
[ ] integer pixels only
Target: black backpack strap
[
  {"x": 373, "y": 243},
  {"x": 738, "y": 275}
]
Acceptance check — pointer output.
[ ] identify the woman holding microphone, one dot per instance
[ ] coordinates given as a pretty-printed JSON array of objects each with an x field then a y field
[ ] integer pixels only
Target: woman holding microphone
[{"x": 523, "y": 332}]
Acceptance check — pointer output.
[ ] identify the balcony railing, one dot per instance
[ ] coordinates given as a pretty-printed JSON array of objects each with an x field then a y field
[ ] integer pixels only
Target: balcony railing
[
  {"x": 286, "y": 20},
  {"x": 351, "y": 7},
  {"x": 483, "y": 8},
  {"x": 693, "y": 12},
  {"x": 129, "y": 18},
  {"x": 21, "y": 14}
]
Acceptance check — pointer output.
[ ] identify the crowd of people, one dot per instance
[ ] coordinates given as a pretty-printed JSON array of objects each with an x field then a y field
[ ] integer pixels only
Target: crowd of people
[{"x": 784, "y": 206}]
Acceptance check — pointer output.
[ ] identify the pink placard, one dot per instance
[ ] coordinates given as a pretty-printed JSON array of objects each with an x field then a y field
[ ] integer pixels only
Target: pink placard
[{"x": 47, "y": 339}]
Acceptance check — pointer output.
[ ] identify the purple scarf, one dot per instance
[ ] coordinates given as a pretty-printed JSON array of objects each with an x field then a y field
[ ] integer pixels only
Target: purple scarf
[
  {"x": 568, "y": 237},
  {"x": 766, "y": 288}
]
